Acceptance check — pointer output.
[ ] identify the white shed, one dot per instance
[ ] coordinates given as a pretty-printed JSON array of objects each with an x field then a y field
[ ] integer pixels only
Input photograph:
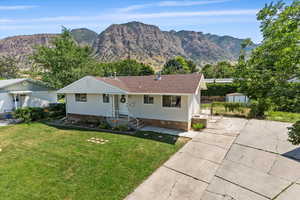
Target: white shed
[{"x": 237, "y": 98}]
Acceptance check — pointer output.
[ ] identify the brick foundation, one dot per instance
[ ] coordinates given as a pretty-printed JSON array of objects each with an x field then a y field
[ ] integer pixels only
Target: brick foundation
[
  {"x": 152, "y": 122},
  {"x": 85, "y": 118},
  {"x": 167, "y": 124}
]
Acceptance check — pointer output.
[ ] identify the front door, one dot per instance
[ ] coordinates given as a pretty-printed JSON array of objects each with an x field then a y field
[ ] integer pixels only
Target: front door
[
  {"x": 116, "y": 105},
  {"x": 123, "y": 109}
]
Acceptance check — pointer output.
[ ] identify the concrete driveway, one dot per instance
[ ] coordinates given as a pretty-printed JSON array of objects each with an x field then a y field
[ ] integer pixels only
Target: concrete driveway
[
  {"x": 6, "y": 122},
  {"x": 233, "y": 159}
]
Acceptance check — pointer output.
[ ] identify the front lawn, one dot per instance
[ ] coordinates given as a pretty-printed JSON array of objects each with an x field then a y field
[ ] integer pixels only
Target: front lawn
[{"x": 42, "y": 162}]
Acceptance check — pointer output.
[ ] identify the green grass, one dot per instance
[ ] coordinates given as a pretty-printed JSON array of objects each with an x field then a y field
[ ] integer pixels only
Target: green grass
[
  {"x": 42, "y": 162},
  {"x": 271, "y": 115},
  {"x": 283, "y": 116}
]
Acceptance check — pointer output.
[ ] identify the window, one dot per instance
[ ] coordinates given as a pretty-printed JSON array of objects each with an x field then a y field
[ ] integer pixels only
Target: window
[
  {"x": 80, "y": 97},
  {"x": 105, "y": 98},
  {"x": 148, "y": 99},
  {"x": 172, "y": 101}
]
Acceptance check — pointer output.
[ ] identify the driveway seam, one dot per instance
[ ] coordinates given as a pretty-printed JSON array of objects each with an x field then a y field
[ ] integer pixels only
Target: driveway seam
[
  {"x": 170, "y": 168},
  {"x": 198, "y": 157},
  {"x": 208, "y": 131},
  {"x": 197, "y": 140},
  {"x": 235, "y": 139},
  {"x": 283, "y": 190},
  {"x": 243, "y": 187},
  {"x": 243, "y": 145},
  {"x": 286, "y": 156}
]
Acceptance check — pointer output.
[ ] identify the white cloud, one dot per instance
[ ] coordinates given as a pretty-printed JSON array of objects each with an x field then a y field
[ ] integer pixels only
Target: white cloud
[
  {"x": 170, "y": 4},
  {"x": 19, "y": 7},
  {"x": 192, "y": 14},
  {"x": 130, "y": 16}
]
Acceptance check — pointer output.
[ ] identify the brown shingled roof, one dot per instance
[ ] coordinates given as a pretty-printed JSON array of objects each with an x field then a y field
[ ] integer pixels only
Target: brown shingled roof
[{"x": 179, "y": 83}]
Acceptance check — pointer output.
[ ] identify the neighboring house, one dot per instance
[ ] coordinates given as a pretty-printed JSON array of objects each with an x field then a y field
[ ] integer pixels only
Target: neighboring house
[
  {"x": 18, "y": 93},
  {"x": 219, "y": 80},
  {"x": 167, "y": 101},
  {"x": 237, "y": 98}
]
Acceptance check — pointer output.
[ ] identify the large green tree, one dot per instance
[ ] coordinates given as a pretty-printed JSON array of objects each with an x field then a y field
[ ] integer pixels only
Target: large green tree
[
  {"x": 65, "y": 61},
  {"x": 265, "y": 76},
  {"x": 179, "y": 65},
  {"x": 127, "y": 67},
  {"x": 8, "y": 67},
  {"x": 219, "y": 70}
]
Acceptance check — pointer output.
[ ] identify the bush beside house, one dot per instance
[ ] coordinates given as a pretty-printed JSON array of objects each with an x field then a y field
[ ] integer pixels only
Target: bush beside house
[{"x": 30, "y": 114}]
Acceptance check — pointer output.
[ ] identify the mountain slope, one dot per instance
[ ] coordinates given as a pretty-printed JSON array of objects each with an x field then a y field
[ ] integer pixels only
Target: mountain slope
[
  {"x": 146, "y": 43},
  {"x": 20, "y": 47},
  {"x": 84, "y": 36}
]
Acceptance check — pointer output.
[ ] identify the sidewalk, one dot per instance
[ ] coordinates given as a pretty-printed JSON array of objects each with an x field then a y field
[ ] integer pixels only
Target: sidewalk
[{"x": 186, "y": 175}]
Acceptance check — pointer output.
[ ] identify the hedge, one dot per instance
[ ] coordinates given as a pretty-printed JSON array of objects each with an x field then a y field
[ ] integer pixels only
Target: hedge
[
  {"x": 29, "y": 114},
  {"x": 219, "y": 89}
]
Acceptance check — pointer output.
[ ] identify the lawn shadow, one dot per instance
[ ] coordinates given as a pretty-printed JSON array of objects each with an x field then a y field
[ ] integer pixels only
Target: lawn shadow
[
  {"x": 294, "y": 154},
  {"x": 159, "y": 137}
]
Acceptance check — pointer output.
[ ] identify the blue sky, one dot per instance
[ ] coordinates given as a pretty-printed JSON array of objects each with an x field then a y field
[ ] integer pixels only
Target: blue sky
[{"x": 223, "y": 17}]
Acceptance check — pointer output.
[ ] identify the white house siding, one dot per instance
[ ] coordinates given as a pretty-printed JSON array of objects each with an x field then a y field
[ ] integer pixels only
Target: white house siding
[
  {"x": 6, "y": 102},
  {"x": 34, "y": 99},
  {"x": 194, "y": 104},
  {"x": 40, "y": 99},
  {"x": 94, "y": 105},
  {"x": 138, "y": 109}
]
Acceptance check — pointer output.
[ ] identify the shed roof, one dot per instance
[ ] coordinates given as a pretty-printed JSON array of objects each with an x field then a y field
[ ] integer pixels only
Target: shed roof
[{"x": 235, "y": 94}]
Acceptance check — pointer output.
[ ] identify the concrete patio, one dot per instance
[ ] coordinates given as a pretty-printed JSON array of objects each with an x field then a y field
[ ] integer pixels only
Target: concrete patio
[{"x": 233, "y": 159}]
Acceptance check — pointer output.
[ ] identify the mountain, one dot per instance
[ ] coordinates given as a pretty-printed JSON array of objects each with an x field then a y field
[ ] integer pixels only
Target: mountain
[
  {"x": 148, "y": 44},
  {"x": 143, "y": 42},
  {"x": 84, "y": 36},
  {"x": 20, "y": 47}
]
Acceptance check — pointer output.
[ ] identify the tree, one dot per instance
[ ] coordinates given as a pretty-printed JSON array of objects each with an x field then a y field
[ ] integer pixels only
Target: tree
[
  {"x": 8, "y": 67},
  {"x": 265, "y": 76},
  {"x": 192, "y": 66},
  {"x": 65, "y": 62},
  {"x": 127, "y": 67},
  {"x": 294, "y": 133},
  {"x": 220, "y": 70},
  {"x": 179, "y": 65}
]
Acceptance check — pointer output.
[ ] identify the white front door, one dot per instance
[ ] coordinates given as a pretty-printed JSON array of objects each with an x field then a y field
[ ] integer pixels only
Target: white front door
[{"x": 123, "y": 107}]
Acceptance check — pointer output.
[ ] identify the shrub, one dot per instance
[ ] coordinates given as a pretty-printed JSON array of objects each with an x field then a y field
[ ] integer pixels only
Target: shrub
[
  {"x": 104, "y": 125},
  {"x": 121, "y": 128},
  {"x": 30, "y": 114},
  {"x": 294, "y": 133},
  {"x": 198, "y": 126},
  {"x": 220, "y": 89},
  {"x": 56, "y": 110},
  {"x": 231, "y": 106},
  {"x": 258, "y": 108}
]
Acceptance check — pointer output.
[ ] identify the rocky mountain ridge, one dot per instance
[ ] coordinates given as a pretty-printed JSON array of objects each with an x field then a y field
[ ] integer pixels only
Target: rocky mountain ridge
[{"x": 143, "y": 42}]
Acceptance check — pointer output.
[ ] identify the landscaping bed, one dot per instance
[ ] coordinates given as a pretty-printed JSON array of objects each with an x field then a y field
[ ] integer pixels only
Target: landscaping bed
[{"x": 43, "y": 162}]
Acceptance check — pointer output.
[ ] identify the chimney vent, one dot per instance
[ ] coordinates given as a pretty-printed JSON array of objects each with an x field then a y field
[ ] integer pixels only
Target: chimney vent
[{"x": 158, "y": 76}]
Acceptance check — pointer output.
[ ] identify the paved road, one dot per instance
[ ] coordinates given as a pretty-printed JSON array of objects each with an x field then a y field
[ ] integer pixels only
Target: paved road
[{"x": 233, "y": 159}]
